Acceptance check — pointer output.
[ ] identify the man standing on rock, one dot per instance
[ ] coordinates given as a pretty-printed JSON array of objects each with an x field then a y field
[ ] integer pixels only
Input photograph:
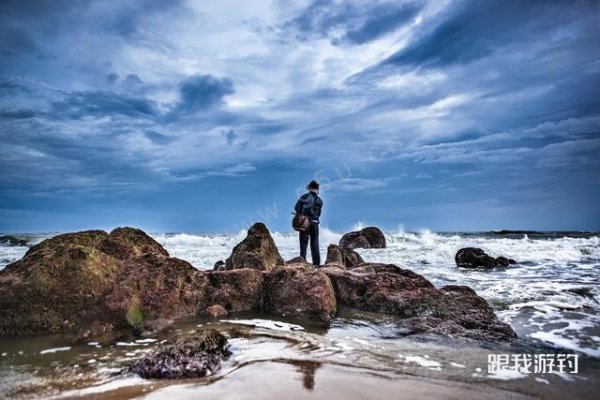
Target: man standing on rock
[{"x": 310, "y": 204}]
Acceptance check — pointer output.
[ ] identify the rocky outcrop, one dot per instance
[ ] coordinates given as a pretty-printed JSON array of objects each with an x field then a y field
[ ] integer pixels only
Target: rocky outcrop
[
  {"x": 300, "y": 291},
  {"x": 473, "y": 257},
  {"x": 389, "y": 289},
  {"x": 92, "y": 283},
  {"x": 256, "y": 251},
  {"x": 235, "y": 291},
  {"x": 367, "y": 238},
  {"x": 341, "y": 256},
  {"x": 195, "y": 356}
]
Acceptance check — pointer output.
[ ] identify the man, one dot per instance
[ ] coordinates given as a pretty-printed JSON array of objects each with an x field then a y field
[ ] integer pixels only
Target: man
[{"x": 310, "y": 204}]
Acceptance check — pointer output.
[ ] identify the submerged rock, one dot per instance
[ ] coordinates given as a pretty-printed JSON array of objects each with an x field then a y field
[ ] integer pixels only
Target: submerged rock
[
  {"x": 195, "y": 356},
  {"x": 342, "y": 256},
  {"x": 11, "y": 240},
  {"x": 91, "y": 282},
  {"x": 215, "y": 311},
  {"x": 473, "y": 257},
  {"x": 367, "y": 238},
  {"x": 299, "y": 291},
  {"x": 389, "y": 289},
  {"x": 256, "y": 251}
]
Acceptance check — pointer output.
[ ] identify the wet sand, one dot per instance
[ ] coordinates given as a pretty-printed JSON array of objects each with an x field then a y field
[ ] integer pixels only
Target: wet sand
[
  {"x": 306, "y": 380},
  {"x": 357, "y": 358}
]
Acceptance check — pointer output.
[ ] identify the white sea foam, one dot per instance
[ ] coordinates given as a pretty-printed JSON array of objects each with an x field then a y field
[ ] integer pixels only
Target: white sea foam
[
  {"x": 55, "y": 350},
  {"x": 423, "y": 362},
  {"x": 265, "y": 324},
  {"x": 102, "y": 388}
]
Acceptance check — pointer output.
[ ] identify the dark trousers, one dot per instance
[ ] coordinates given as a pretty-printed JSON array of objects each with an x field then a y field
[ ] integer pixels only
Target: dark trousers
[{"x": 312, "y": 234}]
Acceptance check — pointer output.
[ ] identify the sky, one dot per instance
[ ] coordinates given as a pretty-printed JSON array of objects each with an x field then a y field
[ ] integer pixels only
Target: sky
[{"x": 206, "y": 116}]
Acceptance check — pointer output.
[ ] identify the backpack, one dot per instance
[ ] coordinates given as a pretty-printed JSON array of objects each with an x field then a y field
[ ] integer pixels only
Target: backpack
[{"x": 300, "y": 222}]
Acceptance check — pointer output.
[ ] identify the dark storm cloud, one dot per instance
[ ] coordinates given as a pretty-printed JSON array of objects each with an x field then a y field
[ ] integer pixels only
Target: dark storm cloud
[
  {"x": 475, "y": 29},
  {"x": 492, "y": 101},
  {"x": 100, "y": 103},
  {"x": 158, "y": 138},
  {"x": 361, "y": 23},
  {"x": 200, "y": 92}
]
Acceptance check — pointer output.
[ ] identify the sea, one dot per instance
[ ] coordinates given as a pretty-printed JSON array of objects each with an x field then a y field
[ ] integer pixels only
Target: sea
[{"x": 551, "y": 298}]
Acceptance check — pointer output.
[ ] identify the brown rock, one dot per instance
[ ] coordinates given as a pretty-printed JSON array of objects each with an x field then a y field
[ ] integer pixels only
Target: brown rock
[
  {"x": 297, "y": 260},
  {"x": 256, "y": 251},
  {"x": 91, "y": 282},
  {"x": 389, "y": 289},
  {"x": 300, "y": 291},
  {"x": 126, "y": 243},
  {"x": 215, "y": 311},
  {"x": 237, "y": 290},
  {"x": 367, "y": 238},
  {"x": 195, "y": 356},
  {"x": 346, "y": 257}
]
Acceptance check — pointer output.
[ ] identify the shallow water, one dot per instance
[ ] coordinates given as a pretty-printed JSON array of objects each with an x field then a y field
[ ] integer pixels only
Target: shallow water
[
  {"x": 550, "y": 298},
  {"x": 360, "y": 356}
]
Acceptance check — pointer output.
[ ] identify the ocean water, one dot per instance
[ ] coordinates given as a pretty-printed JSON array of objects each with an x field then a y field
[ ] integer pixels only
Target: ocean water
[{"x": 551, "y": 299}]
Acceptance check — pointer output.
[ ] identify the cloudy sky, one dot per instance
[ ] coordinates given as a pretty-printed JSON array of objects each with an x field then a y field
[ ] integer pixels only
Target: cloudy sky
[{"x": 204, "y": 115}]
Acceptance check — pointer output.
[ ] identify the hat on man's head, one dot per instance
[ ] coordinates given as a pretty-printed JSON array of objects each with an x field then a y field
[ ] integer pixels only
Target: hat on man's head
[{"x": 313, "y": 185}]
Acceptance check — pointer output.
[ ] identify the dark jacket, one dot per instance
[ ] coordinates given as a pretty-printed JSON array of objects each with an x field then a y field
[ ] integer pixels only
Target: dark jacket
[{"x": 309, "y": 204}]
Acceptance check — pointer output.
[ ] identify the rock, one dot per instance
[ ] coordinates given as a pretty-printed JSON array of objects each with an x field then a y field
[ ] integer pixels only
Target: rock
[
  {"x": 299, "y": 291},
  {"x": 194, "y": 356},
  {"x": 127, "y": 243},
  {"x": 344, "y": 256},
  {"x": 257, "y": 251},
  {"x": 154, "y": 286},
  {"x": 389, "y": 289},
  {"x": 473, "y": 257},
  {"x": 297, "y": 260},
  {"x": 367, "y": 238},
  {"x": 235, "y": 291},
  {"x": 219, "y": 266},
  {"x": 89, "y": 283},
  {"x": 11, "y": 240},
  {"x": 215, "y": 311}
]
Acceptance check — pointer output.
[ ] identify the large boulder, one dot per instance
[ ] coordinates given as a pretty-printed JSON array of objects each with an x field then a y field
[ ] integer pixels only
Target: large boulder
[
  {"x": 473, "y": 257},
  {"x": 190, "y": 356},
  {"x": 92, "y": 282},
  {"x": 342, "y": 256},
  {"x": 298, "y": 290},
  {"x": 367, "y": 238},
  {"x": 389, "y": 289},
  {"x": 153, "y": 286},
  {"x": 235, "y": 291},
  {"x": 256, "y": 251}
]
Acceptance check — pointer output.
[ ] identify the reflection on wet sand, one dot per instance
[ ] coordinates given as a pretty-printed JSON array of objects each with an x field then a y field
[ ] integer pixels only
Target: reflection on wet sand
[{"x": 308, "y": 370}]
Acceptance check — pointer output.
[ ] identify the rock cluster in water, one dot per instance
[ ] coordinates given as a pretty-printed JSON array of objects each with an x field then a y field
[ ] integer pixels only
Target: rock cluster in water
[
  {"x": 90, "y": 283},
  {"x": 11, "y": 240},
  {"x": 192, "y": 356},
  {"x": 473, "y": 257}
]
